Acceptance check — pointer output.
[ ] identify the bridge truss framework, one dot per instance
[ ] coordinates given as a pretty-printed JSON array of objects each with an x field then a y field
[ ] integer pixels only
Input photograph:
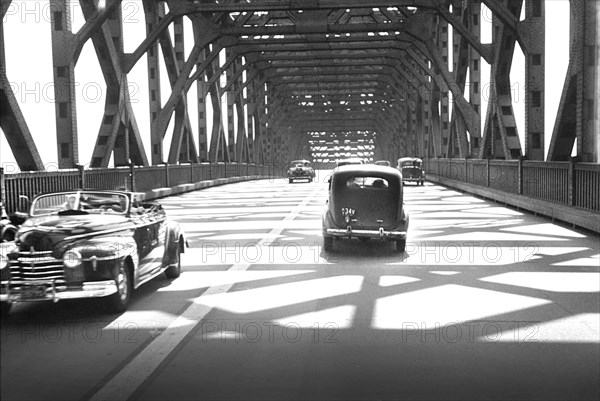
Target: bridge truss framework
[{"x": 318, "y": 79}]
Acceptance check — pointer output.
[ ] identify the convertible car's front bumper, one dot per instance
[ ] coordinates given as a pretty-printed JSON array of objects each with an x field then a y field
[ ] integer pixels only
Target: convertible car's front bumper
[
  {"x": 48, "y": 290},
  {"x": 351, "y": 233}
]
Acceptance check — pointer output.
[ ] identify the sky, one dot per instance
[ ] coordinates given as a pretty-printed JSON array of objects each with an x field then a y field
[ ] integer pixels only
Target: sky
[{"x": 29, "y": 68}]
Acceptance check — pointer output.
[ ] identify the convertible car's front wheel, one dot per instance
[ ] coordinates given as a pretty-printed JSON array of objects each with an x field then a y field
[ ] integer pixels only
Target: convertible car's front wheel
[
  {"x": 119, "y": 301},
  {"x": 174, "y": 270}
]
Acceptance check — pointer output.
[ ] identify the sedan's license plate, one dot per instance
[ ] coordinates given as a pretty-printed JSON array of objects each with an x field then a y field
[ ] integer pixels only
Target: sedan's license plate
[{"x": 33, "y": 292}]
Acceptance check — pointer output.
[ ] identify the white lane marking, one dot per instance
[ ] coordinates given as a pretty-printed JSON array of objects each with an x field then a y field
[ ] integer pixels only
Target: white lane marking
[{"x": 135, "y": 373}]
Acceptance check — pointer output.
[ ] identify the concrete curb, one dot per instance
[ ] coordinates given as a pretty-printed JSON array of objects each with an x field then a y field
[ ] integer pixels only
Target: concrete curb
[
  {"x": 569, "y": 214},
  {"x": 179, "y": 189}
]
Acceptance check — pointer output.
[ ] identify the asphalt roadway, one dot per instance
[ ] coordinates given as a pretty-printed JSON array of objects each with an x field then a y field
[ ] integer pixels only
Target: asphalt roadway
[{"x": 487, "y": 302}]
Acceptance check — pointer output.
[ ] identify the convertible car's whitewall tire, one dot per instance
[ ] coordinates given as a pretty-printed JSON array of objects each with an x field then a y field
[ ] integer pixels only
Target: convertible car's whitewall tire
[
  {"x": 119, "y": 301},
  {"x": 175, "y": 271},
  {"x": 400, "y": 245},
  {"x": 5, "y": 308}
]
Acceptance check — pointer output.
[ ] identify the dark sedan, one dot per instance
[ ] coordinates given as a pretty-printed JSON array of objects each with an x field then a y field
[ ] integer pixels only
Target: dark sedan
[
  {"x": 412, "y": 170},
  {"x": 365, "y": 201},
  {"x": 89, "y": 244}
]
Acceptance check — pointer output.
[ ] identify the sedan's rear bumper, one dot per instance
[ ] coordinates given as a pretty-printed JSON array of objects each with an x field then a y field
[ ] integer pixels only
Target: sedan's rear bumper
[
  {"x": 33, "y": 291},
  {"x": 351, "y": 233}
]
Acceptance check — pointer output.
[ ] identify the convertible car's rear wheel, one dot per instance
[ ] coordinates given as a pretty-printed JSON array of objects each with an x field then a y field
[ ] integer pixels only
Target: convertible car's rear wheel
[
  {"x": 4, "y": 308},
  {"x": 174, "y": 270},
  {"x": 291, "y": 180},
  {"x": 119, "y": 301},
  {"x": 400, "y": 245},
  {"x": 328, "y": 244}
]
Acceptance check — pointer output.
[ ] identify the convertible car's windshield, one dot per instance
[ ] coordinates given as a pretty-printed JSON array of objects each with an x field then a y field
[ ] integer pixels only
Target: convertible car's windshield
[{"x": 80, "y": 202}]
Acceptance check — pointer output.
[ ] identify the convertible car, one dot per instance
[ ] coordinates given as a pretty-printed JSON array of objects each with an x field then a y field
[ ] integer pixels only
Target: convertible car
[
  {"x": 89, "y": 244},
  {"x": 351, "y": 160},
  {"x": 365, "y": 201}
]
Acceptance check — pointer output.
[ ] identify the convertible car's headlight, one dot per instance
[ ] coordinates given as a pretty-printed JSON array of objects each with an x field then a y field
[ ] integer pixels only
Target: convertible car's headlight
[{"x": 72, "y": 259}]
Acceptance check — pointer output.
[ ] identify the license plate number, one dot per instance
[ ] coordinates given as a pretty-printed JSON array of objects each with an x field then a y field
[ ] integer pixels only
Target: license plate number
[{"x": 33, "y": 292}]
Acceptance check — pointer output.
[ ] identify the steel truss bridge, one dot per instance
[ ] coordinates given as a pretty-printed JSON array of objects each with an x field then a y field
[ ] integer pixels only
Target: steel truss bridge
[{"x": 319, "y": 79}]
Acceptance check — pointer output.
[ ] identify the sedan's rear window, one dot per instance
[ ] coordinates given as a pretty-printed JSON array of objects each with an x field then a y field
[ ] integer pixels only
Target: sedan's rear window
[{"x": 366, "y": 182}]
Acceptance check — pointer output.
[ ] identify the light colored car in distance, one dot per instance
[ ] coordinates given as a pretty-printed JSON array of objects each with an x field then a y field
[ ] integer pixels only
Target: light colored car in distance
[
  {"x": 350, "y": 160},
  {"x": 300, "y": 170},
  {"x": 382, "y": 163}
]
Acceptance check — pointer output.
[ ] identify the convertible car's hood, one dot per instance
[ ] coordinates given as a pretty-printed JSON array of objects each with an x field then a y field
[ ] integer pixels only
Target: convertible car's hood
[{"x": 46, "y": 232}]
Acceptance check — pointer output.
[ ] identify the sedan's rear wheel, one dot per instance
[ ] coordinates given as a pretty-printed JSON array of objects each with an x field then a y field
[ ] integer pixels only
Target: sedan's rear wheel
[
  {"x": 174, "y": 270},
  {"x": 328, "y": 244},
  {"x": 400, "y": 245},
  {"x": 118, "y": 302}
]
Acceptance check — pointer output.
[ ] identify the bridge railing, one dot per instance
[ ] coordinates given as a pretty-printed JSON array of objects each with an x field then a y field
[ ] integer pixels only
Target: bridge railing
[
  {"x": 567, "y": 183},
  {"x": 130, "y": 178}
]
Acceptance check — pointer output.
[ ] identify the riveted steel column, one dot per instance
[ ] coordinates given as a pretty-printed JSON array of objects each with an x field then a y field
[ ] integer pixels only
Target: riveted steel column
[
  {"x": 535, "y": 27},
  {"x": 230, "y": 128},
  {"x": 588, "y": 143},
  {"x": 442, "y": 43},
  {"x": 577, "y": 115},
  {"x": 202, "y": 110},
  {"x": 153, "y": 13},
  {"x": 474, "y": 84},
  {"x": 64, "y": 83}
]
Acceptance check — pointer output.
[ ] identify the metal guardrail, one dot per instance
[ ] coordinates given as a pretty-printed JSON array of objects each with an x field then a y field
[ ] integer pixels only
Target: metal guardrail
[
  {"x": 130, "y": 178},
  {"x": 566, "y": 183}
]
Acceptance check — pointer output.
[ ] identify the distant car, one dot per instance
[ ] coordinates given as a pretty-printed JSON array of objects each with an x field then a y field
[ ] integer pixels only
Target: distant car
[
  {"x": 412, "y": 170},
  {"x": 365, "y": 201},
  {"x": 382, "y": 163},
  {"x": 300, "y": 170},
  {"x": 351, "y": 160},
  {"x": 89, "y": 244}
]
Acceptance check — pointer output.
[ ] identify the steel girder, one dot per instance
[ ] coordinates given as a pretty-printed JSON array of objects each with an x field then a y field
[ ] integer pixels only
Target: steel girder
[{"x": 281, "y": 54}]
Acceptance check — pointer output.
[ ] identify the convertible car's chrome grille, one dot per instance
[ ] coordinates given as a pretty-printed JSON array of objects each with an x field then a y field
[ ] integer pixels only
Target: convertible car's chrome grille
[{"x": 37, "y": 265}]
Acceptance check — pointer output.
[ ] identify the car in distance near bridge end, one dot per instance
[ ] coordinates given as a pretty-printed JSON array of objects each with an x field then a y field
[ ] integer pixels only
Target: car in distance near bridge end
[
  {"x": 412, "y": 170},
  {"x": 300, "y": 170},
  {"x": 382, "y": 163},
  {"x": 365, "y": 201},
  {"x": 89, "y": 244},
  {"x": 350, "y": 160}
]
